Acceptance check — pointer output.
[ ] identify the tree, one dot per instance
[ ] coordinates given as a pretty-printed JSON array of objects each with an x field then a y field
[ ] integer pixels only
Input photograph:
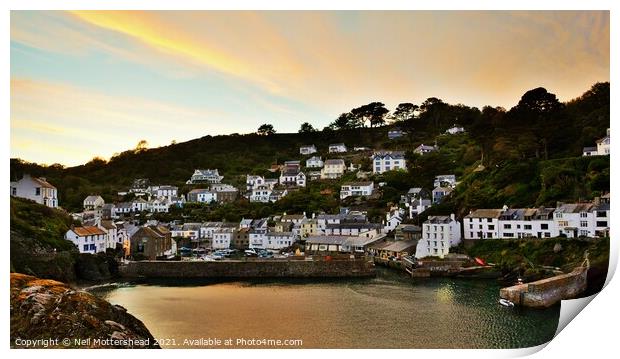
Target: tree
[
  {"x": 344, "y": 121},
  {"x": 141, "y": 146},
  {"x": 373, "y": 113},
  {"x": 405, "y": 111},
  {"x": 307, "y": 128},
  {"x": 266, "y": 130}
]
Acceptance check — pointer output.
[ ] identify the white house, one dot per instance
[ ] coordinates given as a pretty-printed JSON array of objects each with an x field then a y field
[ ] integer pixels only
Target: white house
[
  {"x": 88, "y": 239},
  {"x": 439, "y": 233},
  {"x": 590, "y": 151},
  {"x": 482, "y": 224},
  {"x": 417, "y": 206},
  {"x": 123, "y": 208},
  {"x": 307, "y": 149},
  {"x": 222, "y": 238},
  {"x": 527, "y": 223},
  {"x": 252, "y": 180},
  {"x": 139, "y": 205},
  {"x": 93, "y": 202},
  {"x": 205, "y": 176},
  {"x": 201, "y": 195},
  {"x": 113, "y": 237},
  {"x": 279, "y": 240},
  {"x": 440, "y": 192},
  {"x": 35, "y": 189},
  {"x": 337, "y": 148},
  {"x": 314, "y": 162},
  {"x": 158, "y": 205},
  {"x": 445, "y": 181},
  {"x": 277, "y": 194},
  {"x": 393, "y": 218},
  {"x": 576, "y": 219},
  {"x": 454, "y": 130},
  {"x": 602, "y": 145},
  {"x": 260, "y": 193},
  {"x": 291, "y": 175},
  {"x": 387, "y": 161},
  {"x": 356, "y": 189},
  {"x": 423, "y": 149},
  {"x": 333, "y": 169},
  {"x": 164, "y": 191}
]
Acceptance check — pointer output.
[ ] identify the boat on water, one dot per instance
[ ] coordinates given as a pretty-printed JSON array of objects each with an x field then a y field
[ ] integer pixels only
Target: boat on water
[{"x": 506, "y": 302}]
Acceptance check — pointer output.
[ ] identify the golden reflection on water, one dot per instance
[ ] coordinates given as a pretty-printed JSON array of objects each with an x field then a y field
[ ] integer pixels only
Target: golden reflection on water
[{"x": 375, "y": 314}]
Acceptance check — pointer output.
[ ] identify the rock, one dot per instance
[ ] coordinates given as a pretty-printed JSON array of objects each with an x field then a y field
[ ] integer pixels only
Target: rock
[
  {"x": 557, "y": 248},
  {"x": 47, "y": 309}
]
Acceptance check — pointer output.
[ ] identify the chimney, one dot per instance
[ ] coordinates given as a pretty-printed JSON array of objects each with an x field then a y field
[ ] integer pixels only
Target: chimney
[{"x": 452, "y": 217}]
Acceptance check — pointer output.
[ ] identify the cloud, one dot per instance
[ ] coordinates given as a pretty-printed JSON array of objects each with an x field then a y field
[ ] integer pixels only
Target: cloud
[{"x": 61, "y": 118}]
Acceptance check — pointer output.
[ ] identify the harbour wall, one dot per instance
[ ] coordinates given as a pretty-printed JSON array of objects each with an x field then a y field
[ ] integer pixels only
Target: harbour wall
[
  {"x": 250, "y": 269},
  {"x": 547, "y": 292}
]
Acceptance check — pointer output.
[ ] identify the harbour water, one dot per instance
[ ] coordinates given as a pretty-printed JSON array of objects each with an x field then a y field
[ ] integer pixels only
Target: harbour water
[{"x": 389, "y": 311}]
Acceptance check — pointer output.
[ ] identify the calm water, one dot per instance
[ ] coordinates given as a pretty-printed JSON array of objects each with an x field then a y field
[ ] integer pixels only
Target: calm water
[{"x": 389, "y": 311}]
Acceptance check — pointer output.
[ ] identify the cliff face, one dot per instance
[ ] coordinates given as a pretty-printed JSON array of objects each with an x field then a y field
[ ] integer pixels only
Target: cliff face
[{"x": 47, "y": 313}]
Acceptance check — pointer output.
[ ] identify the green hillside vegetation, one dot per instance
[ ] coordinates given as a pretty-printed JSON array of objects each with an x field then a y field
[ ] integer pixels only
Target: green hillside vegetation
[
  {"x": 528, "y": 155},
  {"x": 38, "y": 247}
]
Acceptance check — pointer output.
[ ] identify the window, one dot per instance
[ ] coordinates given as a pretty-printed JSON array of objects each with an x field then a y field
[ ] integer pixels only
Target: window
[
  {"x": 471, "y": 226},
  {"x": 601, "y": 214},
  {"x": 509, "y": 235},
  {"x": 527, "y": 226},
  {"x": 37, "y": 191},
  {"x": 544, "y": 226},
  {"x": 583, "y": 224},
  {"x": 86, "y": 248},
  {"x": 507, "y": 226},
  {"x": 489, "y": 220},
  {"x": 13, "y": 191},
  {"x": 601, "y": 223},
  {"x": 583, "y": 214},
  {"x": 491, "y": 227}
]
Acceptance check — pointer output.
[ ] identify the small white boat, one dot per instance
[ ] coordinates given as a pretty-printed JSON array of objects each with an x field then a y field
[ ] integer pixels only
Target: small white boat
[{"x": 506, "y": 302}]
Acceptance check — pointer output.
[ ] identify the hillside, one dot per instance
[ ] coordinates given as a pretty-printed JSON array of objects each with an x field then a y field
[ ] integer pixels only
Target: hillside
[
  {"x": 531, "y": 155},
  {"x": 38, "y": 247}
]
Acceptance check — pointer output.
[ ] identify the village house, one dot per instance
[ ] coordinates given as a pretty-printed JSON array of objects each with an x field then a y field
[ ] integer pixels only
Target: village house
[
  {"x": 222, "y": 238},
  {"x": 314, "y": 162},
  {"x": 445, "y": 181},
  {"x": 337, "y": 148},
  {"x": 241, "y": 239},
  {"x": 356, "y": 189},
  {"x": 407, "y": 232},
  {"x": 324, "y": 244},
  {"x": 387, "y": 161},
  {"x": 108, "y": 211},
  {"x": 279, "y": 240},
  {"x": 307, "y": 150},
  {"x": 439, "y": 233},
  {"x": 260, "y": 193},
  {"x": 139, "y": 204},
  {"x": 163, "y": 191},
  {"x": 527, "y": 223},
  {"x": 455, "y": 129},
  {"x": 151, "y": 242},
  {"x": 440, "y": 192},
  {"x": 418, "y": 206},
  {"x": 123, "y": 209},
  {"x": 395, "y": 133},
  {"x": 205, "y": 176},
  {"x": 482, "y": 224},
  {"x": 350, "y": 228},
  {"x": 334, "y": 168},
  {"x": 424, "y": 149},
  {"x": 313, "y": 175},
  {"x": 139, "y": 186},
  {"x": 113, "y": 236},
  {"x": 601, "y": 149},
  {"x": 360, "y": 244},
  {"x": 252, "y": 181},
  {"x": 277, "y": 194},
  {"x": 93, "y": 202},
  {"x": 201, "y": 195},
  {"x": 393, "y": 218},
  {"x": 396, "y": 249},
  {"x": 309, "y": 227},
  {"x": 258, "y": 233},
  {"x": 291, "y": 175},
  {"x": 293, "y": 218},
  {"x": 88, "y": 239},
  {"x": 224, "y": 193},
  {"x": 35, "y": 189}
]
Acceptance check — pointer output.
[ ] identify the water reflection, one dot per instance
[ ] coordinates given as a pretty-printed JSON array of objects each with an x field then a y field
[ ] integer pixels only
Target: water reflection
[{"x": 389, "y": 311}]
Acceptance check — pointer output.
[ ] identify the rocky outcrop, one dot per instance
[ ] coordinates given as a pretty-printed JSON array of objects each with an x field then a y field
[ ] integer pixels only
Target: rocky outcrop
[{"x": 47, "y": 313}]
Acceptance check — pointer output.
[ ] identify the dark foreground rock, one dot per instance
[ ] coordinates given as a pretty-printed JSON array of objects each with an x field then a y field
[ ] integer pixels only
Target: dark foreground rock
[{"x": 47, "y": 313}]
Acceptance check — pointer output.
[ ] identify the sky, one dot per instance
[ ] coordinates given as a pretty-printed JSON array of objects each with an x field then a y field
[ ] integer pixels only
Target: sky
[{"x": 94, "y": 83}]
